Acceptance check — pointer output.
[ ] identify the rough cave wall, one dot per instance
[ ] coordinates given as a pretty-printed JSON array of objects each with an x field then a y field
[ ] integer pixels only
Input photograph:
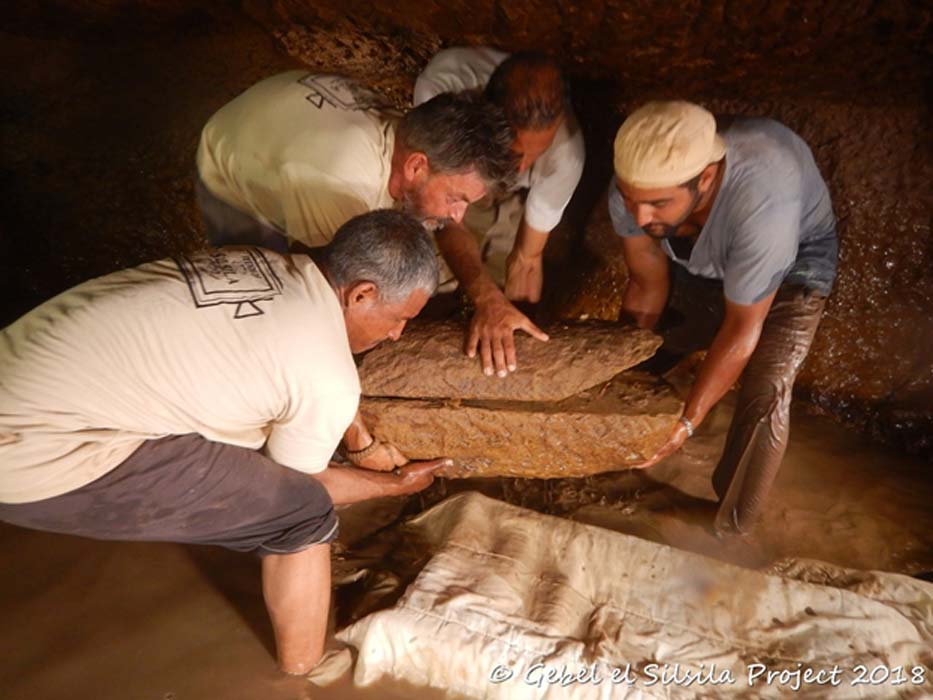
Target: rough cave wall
[{"x": 103, "y": 101}]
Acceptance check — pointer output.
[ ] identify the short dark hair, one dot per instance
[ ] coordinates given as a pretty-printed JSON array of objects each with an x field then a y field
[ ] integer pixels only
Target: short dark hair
[
  {"x": 386, "y": 247},
  {"x": 459, "y": 132},
  {"x": 530, "y": 89}
]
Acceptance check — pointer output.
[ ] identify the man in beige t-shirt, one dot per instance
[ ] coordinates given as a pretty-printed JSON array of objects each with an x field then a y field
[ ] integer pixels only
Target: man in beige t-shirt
[
  {"x": 133, "y": 406},
  {"x": 301, "y": 154},
  {"x": 297, "y": 155}
]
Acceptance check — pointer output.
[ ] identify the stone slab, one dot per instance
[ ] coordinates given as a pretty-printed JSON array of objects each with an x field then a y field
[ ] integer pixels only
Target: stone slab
[
  {"x": 613, "y": 426},
  {"x": 428, "y": 362}
]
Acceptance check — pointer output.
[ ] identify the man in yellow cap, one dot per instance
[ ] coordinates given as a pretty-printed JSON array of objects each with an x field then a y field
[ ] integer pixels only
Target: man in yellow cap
[{"x": 746, "y": 219}]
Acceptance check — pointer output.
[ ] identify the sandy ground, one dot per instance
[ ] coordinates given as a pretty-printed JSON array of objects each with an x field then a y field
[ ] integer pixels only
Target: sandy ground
[{"x": 114, "y": 621}]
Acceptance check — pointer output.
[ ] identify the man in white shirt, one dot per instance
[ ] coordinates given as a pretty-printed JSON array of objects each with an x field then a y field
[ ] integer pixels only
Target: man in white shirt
[
  {"x": 199, "y": 400},
  {"x": 291, "y": 159},
  {"x": 297, "y": 155},
  {"x": 510, "y": 231}
]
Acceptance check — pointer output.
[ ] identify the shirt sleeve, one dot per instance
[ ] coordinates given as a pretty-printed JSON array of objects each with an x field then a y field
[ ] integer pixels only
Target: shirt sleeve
[
  {"x": 555, "y": 177},
  {"x": 425, "y": 89},
  {"x": 306, "y": 439},
  {"x": 622, "y": 222},
  {"x": 315, "y": 205},
  {"x": 762, "y": 249},
  {"x": 456, "y": 69}
]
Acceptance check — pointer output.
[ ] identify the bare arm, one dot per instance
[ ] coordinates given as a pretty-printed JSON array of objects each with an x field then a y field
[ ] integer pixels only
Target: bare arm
[
  {"x": 462, "y": 254},
  {"x": 727, "y": 356},
  {"x": 351, "y": 485},
  {"x": 649, "y": 280},
  {"x": 524, "y": 276},
  {"x": 496, "y": 319},
  {"x": 726, "y": 359}
]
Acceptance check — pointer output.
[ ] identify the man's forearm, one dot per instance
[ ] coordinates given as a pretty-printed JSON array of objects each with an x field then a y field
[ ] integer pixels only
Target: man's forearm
[
  {"x": 530, "y": 241},
  {"x": 350, "y": 484},
  {"x": 524, "y": 266},
  {"x": 462, "y": 254},
  {"x": 642, "y": 304},
  {"x": 725, "y": 361}
]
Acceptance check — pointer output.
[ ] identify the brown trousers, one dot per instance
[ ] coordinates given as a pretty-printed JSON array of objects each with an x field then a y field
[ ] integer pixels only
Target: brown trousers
[{"x": 760, "y": 427}]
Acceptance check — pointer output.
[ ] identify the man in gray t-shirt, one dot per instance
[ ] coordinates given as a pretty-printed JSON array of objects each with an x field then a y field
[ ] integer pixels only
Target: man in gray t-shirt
[{"x": 748, "y": 210}]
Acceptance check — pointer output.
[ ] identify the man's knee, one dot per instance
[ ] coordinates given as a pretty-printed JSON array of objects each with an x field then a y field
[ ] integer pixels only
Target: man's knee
[{"x": 303, "y": 515}]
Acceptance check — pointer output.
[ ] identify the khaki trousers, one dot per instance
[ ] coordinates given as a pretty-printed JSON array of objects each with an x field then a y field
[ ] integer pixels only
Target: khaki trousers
[{"x": 494, "y": 225}]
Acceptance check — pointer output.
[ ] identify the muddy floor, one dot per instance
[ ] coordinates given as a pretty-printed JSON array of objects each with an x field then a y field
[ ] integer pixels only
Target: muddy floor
[
  {"x": 98, "y": 131},
  {"x": 113, "y": 621}
]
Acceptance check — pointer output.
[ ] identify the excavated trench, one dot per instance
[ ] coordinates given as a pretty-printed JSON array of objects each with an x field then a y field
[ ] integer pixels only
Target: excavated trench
[{"x": 102, "y": 104}]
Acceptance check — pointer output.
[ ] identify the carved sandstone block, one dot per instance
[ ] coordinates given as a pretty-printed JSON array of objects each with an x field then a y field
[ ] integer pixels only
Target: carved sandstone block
[
  {"x": 615, "y": 425},
  {"x": 428, "y": 362}
]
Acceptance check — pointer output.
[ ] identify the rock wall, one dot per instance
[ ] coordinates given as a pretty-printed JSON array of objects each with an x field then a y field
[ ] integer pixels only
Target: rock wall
[{"x": 103, "y": 101}]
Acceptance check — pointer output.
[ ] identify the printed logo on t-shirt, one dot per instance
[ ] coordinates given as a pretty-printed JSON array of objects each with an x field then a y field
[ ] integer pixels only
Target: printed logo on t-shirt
[
  {"x": 242, "y": 277},
  {"x": 341, "y": 93}
]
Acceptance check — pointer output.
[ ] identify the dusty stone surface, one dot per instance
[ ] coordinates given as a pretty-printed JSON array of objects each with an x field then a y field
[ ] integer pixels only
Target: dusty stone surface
[
  {"x": 428, "y": 362},
  {"x": 613, "y": 426}
]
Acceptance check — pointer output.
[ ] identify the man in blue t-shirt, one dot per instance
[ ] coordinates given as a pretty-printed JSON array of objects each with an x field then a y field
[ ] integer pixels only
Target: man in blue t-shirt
[{"x": 748, "y": 210}]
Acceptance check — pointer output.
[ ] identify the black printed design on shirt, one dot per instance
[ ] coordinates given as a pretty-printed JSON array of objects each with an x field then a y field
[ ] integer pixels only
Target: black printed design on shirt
[
  {"x": 341, "y": 93},
  {"x": 242, "y": 277}
]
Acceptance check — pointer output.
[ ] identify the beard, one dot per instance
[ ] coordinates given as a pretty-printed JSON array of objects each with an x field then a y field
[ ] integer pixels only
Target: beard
[
  {"x": 661, "y": 231},
  {"x": 412, "y": 204}
]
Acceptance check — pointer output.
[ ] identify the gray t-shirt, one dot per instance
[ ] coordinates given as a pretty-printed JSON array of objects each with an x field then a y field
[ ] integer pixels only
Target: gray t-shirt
[{"x": 772, "y": 220}]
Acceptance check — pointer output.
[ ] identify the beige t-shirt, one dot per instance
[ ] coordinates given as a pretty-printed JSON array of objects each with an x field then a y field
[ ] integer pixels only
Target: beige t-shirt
[
  {"x": 553, "y": 178},
  {"x": 240, "y": 345},
  {"x": 304, "y": 153}
]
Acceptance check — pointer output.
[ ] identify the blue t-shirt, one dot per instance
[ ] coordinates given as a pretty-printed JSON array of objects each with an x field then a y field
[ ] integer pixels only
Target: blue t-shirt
[{"x": 772, "y": 220}]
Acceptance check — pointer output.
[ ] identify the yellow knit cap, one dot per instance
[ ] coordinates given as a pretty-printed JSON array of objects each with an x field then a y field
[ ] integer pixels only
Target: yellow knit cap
[{"x": 664, "y": 144}]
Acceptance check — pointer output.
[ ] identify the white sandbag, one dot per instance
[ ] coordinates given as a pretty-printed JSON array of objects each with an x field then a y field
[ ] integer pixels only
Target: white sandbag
[{"x": 514, "y": 604}]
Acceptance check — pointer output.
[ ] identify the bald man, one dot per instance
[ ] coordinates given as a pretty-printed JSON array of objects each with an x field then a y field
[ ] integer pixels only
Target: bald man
[{"x": 501, "y": 242}]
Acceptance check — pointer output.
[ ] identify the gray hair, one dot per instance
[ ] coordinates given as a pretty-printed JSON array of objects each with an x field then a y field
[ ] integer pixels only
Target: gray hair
[
  {"x": 386, "y": 247},
  {"x": 459, "y": 132}
]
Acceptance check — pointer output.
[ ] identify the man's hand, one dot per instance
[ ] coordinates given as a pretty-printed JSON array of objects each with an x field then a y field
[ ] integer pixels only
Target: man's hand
[
  {"x": 417, "y": 476},
  {"x": 386, "y": 457},
  {"x": 491, "y": 329},
  {"x": 674, "y": 442},
  {"x": 524, "y": 276},
  {"x": 352, "y": 484}
]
